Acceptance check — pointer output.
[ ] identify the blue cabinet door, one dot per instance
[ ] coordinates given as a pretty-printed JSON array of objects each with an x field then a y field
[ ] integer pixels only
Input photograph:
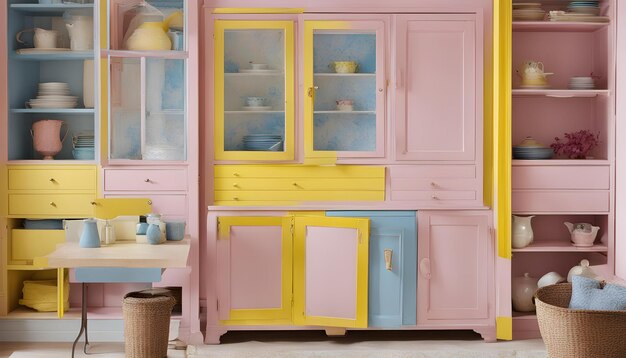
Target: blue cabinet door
[{"x": 392, "y": 301}]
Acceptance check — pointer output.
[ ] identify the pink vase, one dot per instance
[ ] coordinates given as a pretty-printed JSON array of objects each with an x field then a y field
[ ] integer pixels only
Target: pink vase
[{"x": 46, "y": 135}]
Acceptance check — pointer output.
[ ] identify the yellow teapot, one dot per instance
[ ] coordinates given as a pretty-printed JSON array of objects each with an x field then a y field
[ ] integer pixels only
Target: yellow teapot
[{"x": 149, "y": 36}]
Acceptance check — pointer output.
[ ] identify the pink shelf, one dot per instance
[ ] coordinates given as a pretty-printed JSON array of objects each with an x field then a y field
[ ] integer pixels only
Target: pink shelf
[
  {"x": 557, "y": 26},
  {"x": 558, "y": 162},
  {"x": 560, "y": 93},
  {"x": 560, "y": 246}
]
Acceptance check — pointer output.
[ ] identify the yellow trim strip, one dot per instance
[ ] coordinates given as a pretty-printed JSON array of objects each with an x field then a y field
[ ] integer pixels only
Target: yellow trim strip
[
  {"x": 502, "y": 127},
  {"x": 103, "y": 24},
  {"x": 504, "y": 328},
  {"x": 258, "y": 10},
  {"x": 60, "y": 292}
]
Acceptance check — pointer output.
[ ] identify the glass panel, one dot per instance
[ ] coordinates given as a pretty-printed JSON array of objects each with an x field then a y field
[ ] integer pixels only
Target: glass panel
[
  {"x": 344, "y": 66},
  {"x": 254, "y": 81},
  {"x": 125, "y": 114},
  {"x": 165, "y": 110}
]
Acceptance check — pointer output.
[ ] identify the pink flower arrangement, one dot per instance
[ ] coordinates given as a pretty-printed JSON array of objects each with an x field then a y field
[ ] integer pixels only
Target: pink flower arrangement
[{"x": 576, "y": 145}]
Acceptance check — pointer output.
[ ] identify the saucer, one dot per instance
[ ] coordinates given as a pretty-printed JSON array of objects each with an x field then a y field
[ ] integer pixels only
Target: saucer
[{"x": 257, "y": 108}]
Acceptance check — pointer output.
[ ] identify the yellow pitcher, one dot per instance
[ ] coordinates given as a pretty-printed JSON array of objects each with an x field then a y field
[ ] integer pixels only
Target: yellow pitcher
[{"x": 149, "y": 36}]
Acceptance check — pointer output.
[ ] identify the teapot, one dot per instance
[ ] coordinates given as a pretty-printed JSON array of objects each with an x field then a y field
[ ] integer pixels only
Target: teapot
[
  {"x": 532, "y": 74},
  {"x": 522, "y": 291},
  {"x": 582, "y": 234},
  {"x": 581, "y": 270}
]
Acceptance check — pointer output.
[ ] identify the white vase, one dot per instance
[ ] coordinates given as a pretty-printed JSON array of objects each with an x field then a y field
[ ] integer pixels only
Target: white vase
[
  {"x": 522, "y": 231},
  {"x": 523, "y": 289}
]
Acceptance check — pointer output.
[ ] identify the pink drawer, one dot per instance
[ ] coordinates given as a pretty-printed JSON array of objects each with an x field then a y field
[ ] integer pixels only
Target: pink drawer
[
  {"x": 433, "y": 196},
  {"x": 170, "y": 206},
  {"x": 433, "y": 177},
  {"x": 560, "y": 177},
  {"x": 579, "y": 201},
  {"x": 145, "y": 179}
]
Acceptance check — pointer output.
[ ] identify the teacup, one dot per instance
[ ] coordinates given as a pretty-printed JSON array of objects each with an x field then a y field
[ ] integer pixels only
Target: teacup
[
  {"x": 42, "y": 39},
  {"x": 344, "y": 66},
  {"x": 255, "y": 101},
  {"x": 344, "y": 105}
]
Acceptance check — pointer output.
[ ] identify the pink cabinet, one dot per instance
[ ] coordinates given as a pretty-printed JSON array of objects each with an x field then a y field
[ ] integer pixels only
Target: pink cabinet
[
  {"x": 455, "y": 269},
  {"x": 438, "y": 88}
]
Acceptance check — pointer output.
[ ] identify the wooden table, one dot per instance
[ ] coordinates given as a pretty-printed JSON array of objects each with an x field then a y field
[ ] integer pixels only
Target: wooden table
[{"x": 126, "y": 254}]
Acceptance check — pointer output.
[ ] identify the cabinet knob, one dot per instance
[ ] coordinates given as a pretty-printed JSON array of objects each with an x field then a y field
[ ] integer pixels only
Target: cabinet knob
[
  {"x": 147, "y": 180},
  {"x": 52, "y": 180},
  {"x": 149, "y": 202},
  {"x": 433, "y": 184},
  {"x": 235, "y": 185},
  {"x": 294, "y": 184},
  {"x": 93, "y": 203},
  {"x": 53, "y": 204},
  {"x": 235, "y": 198},
  {"x": 235, "y": 174},
  {"x": 435, "y": 197},
  {"x": 388, "y": 256},
  {"x": 380, "y": 90}
]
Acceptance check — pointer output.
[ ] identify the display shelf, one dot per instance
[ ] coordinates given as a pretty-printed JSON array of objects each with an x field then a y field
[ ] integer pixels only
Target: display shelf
[
  {"x": 562, "y": 162},
  {"x": 54, "y": 55},
  {"x": 169, "y": 54},
  {"x": 557, "y": 26},
  {"x": 524, "y": 315},
  {"x": 48, "y": 9},
  {"x": 560, "y": 246},
  {"x": 248, "y": 74},
  {"x": 344, "y": 112},
  {"x": 345, "y": 74},
  {"x": 54, "y": 110},
  {"x": 23, "y": 312},
  {"x": 560, "y": 93},
  {"x": 251, "y": 112}
]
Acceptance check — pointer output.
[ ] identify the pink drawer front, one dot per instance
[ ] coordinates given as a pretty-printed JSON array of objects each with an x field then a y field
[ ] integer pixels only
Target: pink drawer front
[
  {"x": 433, "y": 196},
  {"x": 560, "y": 177},
  {"x": 170, "y": 206},
  {"x": 144, "y": 179},
  {"x": 564, "y": 201}
]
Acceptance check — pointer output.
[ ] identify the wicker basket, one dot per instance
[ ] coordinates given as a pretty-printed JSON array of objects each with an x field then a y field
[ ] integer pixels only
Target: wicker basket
[
  {"x": 578, "y": 333},
  {"x": 146, "y": 324}
]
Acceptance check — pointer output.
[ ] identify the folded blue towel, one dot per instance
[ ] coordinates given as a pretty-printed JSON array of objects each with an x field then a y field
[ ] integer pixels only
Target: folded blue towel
[{"x": 588, "y": 294}]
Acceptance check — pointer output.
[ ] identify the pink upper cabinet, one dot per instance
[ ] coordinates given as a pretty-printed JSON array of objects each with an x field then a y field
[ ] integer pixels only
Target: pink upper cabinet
[{"x": 437, "y": 87}]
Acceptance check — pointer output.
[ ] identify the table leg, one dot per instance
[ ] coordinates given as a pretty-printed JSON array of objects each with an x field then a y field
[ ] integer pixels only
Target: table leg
[{"x": 83, "y": 320}]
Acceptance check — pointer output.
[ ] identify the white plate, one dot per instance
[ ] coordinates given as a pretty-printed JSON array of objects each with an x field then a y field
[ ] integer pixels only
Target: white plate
[
  {"x": 259, "y": 108},
  {"x": 259, "y": 71},
  {"x": 534, "y": 86}
]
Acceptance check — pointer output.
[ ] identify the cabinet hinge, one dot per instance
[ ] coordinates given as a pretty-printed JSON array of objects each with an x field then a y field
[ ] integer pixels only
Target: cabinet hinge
[{"x": 292, "y": 226}]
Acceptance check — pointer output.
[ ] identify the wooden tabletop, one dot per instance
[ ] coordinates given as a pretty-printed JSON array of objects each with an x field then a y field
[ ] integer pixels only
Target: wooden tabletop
[{"x": 121, "y": 254}]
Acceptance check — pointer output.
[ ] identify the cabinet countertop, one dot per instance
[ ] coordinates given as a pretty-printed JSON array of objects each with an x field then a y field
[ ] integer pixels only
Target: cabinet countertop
[{"x": 167, "y": 255}]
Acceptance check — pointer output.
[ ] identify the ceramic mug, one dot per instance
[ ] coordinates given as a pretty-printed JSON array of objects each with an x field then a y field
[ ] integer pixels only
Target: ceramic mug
[
  {"x": 174, "y": 230},
  {"x": 42, "y": 39},
  {"x": 255, "y": 101}
]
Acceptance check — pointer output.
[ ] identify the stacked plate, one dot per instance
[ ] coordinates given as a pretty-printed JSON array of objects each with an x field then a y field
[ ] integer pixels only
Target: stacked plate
[
  {"x": 263, "y": 142},
  {"x": 528, "y": 11},
  {"x": 529, "y": 148},
  {"x": 585, "y": 7},
  {"x": 83, "y": 146},
  {"x": 581, "y": 83},
  {"x": 53, "y": 95}
]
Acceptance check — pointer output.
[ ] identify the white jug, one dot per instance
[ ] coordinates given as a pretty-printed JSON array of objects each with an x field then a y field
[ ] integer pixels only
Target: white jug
[
  {"x": 80, "y": 29},
  {"x": 522, "y": 231},
  {"x": 43, "y": 39}
]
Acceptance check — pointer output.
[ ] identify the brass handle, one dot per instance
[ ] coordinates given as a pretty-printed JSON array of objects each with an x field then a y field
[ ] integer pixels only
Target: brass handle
[
  {"x": 147, "y": 180},
  {"x": 388, "y": 258},
  {"x": 149, "y": 202},
  {"x": 433, "y": 184},
  {"x": 380, "y": 90},
  {"x": 52, "y": 180},
  {"x": 235, "y": 185},
  {"x": 294, "y": 184},
  {"x": 236, "y": 198},
  {"x": 235, "y": 174},
  {"x": 311, "y": 91},
  {"x": 93, "y": 203},
  {"x": 53, "y": 204},
  {"x": 435, "y": 197}
]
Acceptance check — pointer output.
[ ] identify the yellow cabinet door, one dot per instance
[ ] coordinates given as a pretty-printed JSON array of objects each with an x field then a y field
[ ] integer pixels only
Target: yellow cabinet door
[
  {"x": 254, "y": 90},
  {"x": 254, "y": 263},
  {"x": 331, "y": 271}
]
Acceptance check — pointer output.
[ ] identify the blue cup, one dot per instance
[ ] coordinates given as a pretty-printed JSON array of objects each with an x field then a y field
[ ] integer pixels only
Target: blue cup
[{"x": 174, "y": 230}]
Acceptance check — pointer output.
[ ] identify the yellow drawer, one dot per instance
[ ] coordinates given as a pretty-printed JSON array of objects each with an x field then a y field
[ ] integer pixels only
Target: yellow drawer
[
  {"x": 52, "y": 179},
  {"x": 298, "y": 171},
  {"x": 51, "y": 205},
  {"x": 295, "y": 184},
  {"x": 239, "y": 198},
  {"x": 28, "y": 244}
]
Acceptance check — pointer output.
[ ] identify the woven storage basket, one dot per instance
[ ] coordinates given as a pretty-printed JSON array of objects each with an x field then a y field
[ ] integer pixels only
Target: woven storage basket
[
  {"x": 578, "y": 333},
  {"x": 146, "y": 324}
]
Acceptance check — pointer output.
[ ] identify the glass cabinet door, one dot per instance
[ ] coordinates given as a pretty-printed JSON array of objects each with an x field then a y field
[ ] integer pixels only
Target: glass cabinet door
[
  {"x": 147, "y": 101},
  {"x": 254, "y": 90},
  {"x": 345, "y": 89}
]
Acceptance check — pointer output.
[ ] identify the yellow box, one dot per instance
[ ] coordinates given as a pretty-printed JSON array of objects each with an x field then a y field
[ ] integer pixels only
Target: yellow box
[{"x": 28, "y": 244}]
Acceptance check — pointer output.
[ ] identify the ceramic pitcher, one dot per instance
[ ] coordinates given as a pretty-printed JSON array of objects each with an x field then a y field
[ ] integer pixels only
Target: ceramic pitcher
[
  {"x": 46, "y": 137},
  {"x": 522, "y": 233},
  {"x": 43, "y": 39},
  {"x": 149, "y": 36},
  {"x": 89, "y": 236},
  {"x": 80, "y": 29}
]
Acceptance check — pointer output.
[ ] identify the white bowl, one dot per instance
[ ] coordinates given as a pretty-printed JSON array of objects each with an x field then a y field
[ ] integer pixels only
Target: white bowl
[{"x": 550, "y": 278}]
